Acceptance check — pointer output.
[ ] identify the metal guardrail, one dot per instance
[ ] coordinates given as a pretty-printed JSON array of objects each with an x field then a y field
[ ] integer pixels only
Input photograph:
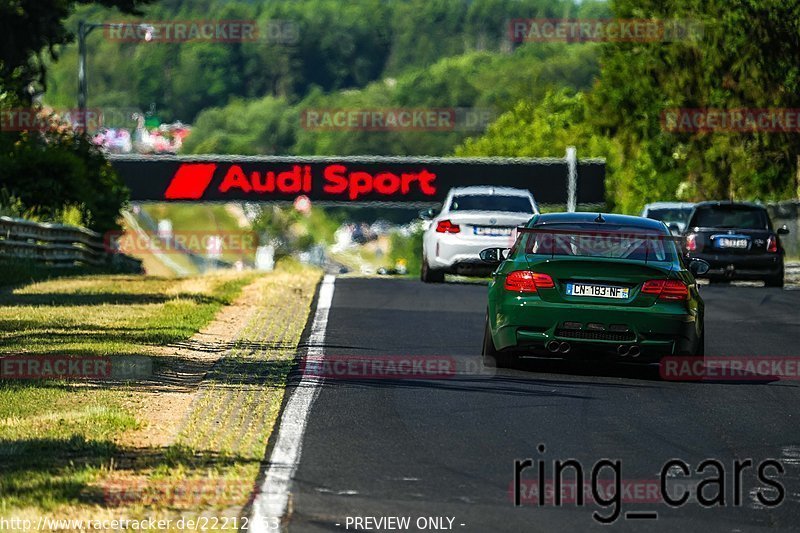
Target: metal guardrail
[{"x": 59, "y": 245}]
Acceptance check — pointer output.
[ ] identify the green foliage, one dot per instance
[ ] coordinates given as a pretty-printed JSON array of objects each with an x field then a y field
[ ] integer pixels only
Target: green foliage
[
  {"x": 291, "y": 231},
  {"x": 747, "y": 58},
  {"x": 30, "y": 31},
  {"x": 367, "y": 54},
  {"x": 325, "y": 44},
  {"x": 546, "y": 129},
  {"x": 407, "y": 248},
  {"x": 270, "y": 125},
  {"x": 59, "y": 176},
  {"x": 264, "y": 126}
]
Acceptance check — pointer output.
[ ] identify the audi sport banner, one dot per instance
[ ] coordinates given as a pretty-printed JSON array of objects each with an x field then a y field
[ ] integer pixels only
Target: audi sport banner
[{"x": 356, "y": 180}]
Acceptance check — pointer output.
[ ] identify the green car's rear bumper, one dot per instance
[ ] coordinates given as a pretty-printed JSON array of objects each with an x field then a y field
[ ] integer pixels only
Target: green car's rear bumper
[{"x": 529, "y": 323}]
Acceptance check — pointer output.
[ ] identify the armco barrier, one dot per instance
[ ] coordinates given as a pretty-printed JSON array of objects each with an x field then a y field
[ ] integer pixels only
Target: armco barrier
[{"x": 59, "y": 245}]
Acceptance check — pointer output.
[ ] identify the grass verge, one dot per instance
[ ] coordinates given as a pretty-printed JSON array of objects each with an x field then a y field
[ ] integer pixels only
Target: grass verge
[{"x": 78, "y": 450}]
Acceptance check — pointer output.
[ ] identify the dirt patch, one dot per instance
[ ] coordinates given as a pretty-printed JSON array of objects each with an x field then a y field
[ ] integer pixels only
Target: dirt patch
[{"x": 175, "y": 384}]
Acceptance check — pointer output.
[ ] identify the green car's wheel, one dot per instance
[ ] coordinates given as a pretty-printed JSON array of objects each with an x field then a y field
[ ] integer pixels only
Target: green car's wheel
[
  {"x": 491, "y": 356},
  {"x": 700, "y": 351},
  {"x": 696, "y": 349},
  {"x": 429, "y": 275}
]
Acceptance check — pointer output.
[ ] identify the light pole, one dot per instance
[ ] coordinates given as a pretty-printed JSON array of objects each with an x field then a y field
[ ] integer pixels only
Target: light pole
[{"x": 84, "y": 29}]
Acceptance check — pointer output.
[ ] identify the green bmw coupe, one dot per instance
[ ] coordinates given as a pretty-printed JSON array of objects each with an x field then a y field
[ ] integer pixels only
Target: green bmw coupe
[{"x": 593, "y": 285}]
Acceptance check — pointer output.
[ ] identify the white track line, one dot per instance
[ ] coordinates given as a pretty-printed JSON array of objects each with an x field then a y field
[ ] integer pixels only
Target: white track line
[{"x": 270, "y": 504}]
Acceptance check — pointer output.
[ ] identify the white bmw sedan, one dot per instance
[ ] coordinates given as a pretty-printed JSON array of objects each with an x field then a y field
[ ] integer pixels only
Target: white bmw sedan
[{"x": 472, "y": 218}]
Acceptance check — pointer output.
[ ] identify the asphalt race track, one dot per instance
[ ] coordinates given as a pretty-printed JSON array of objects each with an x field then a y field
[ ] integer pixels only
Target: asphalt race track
[{"x": 446, "y": 448}]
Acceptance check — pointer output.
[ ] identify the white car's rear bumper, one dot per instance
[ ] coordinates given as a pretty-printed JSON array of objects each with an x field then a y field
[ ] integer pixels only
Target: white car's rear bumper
[{"x": 454, "y": 253}]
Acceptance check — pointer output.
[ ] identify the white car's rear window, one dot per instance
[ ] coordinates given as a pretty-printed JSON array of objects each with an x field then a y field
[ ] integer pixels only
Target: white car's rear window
[{"x": 491, "y": 202}]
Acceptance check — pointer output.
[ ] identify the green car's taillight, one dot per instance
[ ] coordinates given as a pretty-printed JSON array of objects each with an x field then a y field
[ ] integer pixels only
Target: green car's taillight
[
  {"x": 666, "y": 289},
  {"x": 527, "y": 281}
]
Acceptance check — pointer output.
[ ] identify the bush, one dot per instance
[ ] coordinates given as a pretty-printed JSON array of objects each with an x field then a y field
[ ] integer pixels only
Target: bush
[
  {"x": 58, "y": 175},
  {"x": 407, "y": 248},
  {"x": 291, "y": 231}
]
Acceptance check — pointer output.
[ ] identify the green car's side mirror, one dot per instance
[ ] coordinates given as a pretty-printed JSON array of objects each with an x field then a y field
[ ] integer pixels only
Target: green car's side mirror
[
  {"x": 783, "y": 230},
  {"x": 698, "y": 267},
  {"x": 494, "y": 256}
]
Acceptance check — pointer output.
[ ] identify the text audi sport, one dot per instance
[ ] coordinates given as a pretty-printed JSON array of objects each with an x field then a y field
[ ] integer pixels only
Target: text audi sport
[{"x": 608, "y": 284}]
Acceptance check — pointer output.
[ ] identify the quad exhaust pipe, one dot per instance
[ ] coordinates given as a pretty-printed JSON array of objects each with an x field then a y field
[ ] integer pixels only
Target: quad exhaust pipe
[
  {"x": 625, "y": 350},
  {"x": 555, "y": 346}
]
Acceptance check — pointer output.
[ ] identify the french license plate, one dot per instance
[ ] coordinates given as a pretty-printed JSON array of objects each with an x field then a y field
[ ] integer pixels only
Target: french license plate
[
  {"x": 597, "y": 291},
  {"x": 724, "y": 242},
  {"x": 489, "y": 231}
]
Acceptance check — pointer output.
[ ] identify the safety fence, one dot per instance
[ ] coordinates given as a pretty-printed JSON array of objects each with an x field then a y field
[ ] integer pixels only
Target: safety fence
[{"x": 60, "y": 245}]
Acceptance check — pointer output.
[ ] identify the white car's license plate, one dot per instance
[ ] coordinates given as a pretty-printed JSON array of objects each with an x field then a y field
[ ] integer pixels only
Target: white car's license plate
[
  {"x": 597, "y": 291},
  {"x": 488, "y": 231},
  {"x": 723, "y": 242}
]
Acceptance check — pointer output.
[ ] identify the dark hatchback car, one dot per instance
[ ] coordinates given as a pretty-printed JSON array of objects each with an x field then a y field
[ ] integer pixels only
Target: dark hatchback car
[{"x": 738, "y": 241}]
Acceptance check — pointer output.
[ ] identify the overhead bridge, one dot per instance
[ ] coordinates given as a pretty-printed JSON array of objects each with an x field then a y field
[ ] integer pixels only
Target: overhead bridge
[{"x": 355, "y": 180}]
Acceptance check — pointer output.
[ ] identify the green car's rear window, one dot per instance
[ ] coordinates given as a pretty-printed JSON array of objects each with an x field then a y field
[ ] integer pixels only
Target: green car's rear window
[{"x": 617, "y": 242}]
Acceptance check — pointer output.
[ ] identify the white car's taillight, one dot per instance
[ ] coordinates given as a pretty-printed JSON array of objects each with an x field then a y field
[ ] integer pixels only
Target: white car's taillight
[{"x": 445, "y": 226}]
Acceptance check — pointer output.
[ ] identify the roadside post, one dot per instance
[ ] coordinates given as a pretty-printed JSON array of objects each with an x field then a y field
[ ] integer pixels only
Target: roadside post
[{"x": 572, "y": 178}]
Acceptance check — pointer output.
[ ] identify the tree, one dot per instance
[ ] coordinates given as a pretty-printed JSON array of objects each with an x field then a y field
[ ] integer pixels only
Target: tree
[
  {"x": 748, "y": 57},
  {"x": 561, "y": 119},
  {"x": 30, "y": 31},
  {"x": 58, "y": 170},
  {"x": 47, "y": 173}
]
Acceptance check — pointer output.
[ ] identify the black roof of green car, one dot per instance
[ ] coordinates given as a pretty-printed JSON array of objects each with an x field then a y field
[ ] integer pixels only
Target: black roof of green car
[{"x": 591, "y": 218}]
